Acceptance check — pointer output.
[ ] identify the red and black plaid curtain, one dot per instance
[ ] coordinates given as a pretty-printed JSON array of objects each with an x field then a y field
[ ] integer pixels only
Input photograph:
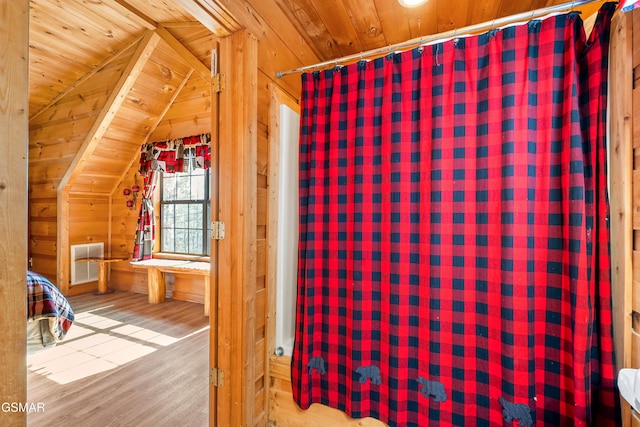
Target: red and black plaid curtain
[
  {"x": 171, "y": 156},
  {"x": 454, "y": 243},
  {"x": 146, "y": 228}
]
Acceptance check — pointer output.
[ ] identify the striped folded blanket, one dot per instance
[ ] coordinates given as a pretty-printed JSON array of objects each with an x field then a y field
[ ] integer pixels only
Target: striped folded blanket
[{"x": 44, "y": 300}]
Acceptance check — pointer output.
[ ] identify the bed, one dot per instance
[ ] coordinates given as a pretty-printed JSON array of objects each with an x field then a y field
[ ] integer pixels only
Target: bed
[{"x": 49, "y": 313}]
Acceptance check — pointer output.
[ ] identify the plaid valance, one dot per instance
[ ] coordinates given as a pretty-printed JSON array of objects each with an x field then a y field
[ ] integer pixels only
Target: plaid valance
[{"x": 176, "y": 155}]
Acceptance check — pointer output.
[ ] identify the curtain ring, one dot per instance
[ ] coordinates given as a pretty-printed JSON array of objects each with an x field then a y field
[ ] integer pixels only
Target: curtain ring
[{"x": 573, "y": 5}]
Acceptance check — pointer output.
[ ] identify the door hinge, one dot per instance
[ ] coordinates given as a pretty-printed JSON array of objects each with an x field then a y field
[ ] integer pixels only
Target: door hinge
[
  {"x": 217, "y": 230},
  {"x": 216, "y": 377},
  {"x": 218, "y": 83}
]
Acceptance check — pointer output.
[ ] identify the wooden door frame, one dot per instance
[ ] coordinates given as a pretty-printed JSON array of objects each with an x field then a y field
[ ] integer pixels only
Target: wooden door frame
[
  {"x": 213, "y": 254},
  {"x": 14, "y": 82},
  {"x": 236, "y": 263}
]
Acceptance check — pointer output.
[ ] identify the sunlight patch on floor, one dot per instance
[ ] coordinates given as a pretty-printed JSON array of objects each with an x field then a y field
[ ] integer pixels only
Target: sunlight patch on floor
[
  {"x": 97, "y": 344},
  {"x": 146, "y": 335}
]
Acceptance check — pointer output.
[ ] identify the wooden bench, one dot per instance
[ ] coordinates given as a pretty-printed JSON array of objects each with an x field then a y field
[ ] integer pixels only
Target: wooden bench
[{"x": 156, "y": 281}]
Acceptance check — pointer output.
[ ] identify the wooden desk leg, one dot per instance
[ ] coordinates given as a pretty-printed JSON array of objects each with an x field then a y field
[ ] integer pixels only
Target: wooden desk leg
[
  {"x": 157, "y": 288},
  {"x": 103, "y": 285}
]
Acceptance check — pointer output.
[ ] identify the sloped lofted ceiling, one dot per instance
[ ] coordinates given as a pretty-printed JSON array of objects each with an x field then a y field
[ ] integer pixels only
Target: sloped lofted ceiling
[
  {"x": 69, "y": 38},
  {"x": 103, "y": 74}
]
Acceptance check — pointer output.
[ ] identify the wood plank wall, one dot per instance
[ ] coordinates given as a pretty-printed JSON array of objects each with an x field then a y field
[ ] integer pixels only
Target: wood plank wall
[
  {"x": 632, "y": 130},
  {"x": 280, "y": 48},
  {"x": 88, "y": 214},
  {"x": 276, "y": 53},
  {"x": 624, "y": 174},
  {"x": 54, "y": 139},
  {"x": 635, "y": 161},
  {"x": 14, "y": 50},
  {"x": 260, "y": 386},
  {"x": 188, "y": 115},
  {"x": 123, "y": 223}
]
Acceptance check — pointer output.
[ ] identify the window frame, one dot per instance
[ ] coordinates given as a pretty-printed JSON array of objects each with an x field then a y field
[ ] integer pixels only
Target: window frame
[{"x": 206, "y": 206}]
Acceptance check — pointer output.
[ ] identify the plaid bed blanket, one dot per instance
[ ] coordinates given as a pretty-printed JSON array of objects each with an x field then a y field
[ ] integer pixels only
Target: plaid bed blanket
[{"x": 44, "y": 300}]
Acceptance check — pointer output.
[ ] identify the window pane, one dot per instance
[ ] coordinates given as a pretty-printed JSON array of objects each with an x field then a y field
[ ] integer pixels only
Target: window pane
[
  {"x": 168, "y": 240},
  {"x": 195, "y": 245},
  {"x": 195, "y": 217},
  {"x": 182, "y": 216},
  {"x": 182, "y": 241},
  {"x": 168, "y": 216},
  {"x": 208, "y": 229},
  {"x": 197, "y": 184},
  {"x": 168, "y": 187},
  {"x": 183, "y": 184}
]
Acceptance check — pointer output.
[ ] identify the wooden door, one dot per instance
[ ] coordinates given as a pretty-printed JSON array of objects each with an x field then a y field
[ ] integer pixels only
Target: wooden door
[
  {"x": 231, "y": 296},
  {"x": 213, "y": 274}
]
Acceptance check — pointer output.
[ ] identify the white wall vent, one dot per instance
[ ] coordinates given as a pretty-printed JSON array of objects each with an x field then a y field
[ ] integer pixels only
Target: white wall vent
[{"x": 84, "y": 272}]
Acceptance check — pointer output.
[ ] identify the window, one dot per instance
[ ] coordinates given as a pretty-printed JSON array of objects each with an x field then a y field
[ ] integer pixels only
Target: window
[{"x": 184, "y": 212}]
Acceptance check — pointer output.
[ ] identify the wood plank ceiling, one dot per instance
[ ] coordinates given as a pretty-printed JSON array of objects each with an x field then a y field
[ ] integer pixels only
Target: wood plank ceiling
[
  {"x": 340, "y": 28},
  {"x": 73, "y": 41},
  {"x": 69, "y": 38}
]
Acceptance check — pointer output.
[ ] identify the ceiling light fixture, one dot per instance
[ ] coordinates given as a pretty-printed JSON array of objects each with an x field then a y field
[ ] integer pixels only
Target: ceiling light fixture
[{"x": 411, "y": 3}]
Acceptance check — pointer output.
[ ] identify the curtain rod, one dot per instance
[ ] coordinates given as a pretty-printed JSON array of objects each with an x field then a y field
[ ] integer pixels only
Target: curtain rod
[{"x": 445, "y": 35}]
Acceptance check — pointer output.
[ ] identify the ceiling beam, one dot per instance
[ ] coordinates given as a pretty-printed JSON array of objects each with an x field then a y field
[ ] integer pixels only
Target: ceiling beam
[
  {"x": 136, "y": 15},
  {"x": 212, "y": 15},
  {"x": 184, "y": 53},
  {"x": 195, "y": 25},
  {"x": 117, "y": 97}
]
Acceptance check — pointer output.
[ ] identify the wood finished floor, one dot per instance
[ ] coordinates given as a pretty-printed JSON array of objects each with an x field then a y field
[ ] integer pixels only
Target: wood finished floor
[{"x": 125, "y": 362}]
